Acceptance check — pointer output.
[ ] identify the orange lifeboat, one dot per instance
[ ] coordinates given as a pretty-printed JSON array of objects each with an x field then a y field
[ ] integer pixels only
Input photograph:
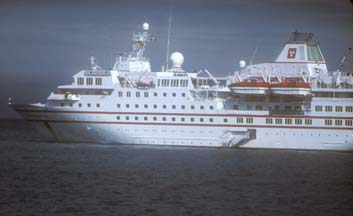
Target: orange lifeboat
[
  {"x": 250, "y": 87},
  {"x": 295, "y": 87}
]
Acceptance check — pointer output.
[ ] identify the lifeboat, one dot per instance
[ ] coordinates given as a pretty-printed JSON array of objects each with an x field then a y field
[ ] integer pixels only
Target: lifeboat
[
  {"x": 293, "y": 87},
  {"x": 250, "y": 87}
]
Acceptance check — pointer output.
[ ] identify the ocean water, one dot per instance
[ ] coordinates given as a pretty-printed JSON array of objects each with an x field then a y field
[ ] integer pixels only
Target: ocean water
[{"x": 39, "y": 177}]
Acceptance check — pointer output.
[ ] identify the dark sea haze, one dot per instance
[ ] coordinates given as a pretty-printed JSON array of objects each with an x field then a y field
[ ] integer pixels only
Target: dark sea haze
[{"x": 38, "y": 177}]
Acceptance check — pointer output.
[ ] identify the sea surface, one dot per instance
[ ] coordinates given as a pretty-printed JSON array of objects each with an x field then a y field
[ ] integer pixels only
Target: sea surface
[{"x": 40, "y": 177}]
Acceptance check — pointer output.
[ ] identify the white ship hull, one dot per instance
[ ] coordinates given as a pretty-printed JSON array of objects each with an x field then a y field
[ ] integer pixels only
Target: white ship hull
[{"x": 99, "y": 128}]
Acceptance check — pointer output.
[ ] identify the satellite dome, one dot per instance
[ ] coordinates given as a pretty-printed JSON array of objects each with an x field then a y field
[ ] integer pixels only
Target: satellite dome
[
  {"x": 177, "y": 59},
  {"x": 146, "y": 26},
  {"x": 242, "y": 64}
]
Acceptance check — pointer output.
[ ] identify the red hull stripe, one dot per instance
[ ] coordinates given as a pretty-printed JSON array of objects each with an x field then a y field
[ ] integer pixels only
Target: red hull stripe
[
  {"x": 184, "y": 114},
  {"x": 181, "y": 124}
]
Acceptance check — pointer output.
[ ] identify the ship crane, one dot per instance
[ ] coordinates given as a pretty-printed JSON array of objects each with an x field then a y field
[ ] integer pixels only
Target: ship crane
[{"x": 337, "y": 74}]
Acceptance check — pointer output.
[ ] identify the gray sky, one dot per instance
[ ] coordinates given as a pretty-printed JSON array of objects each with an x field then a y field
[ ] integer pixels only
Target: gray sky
[{"x": 43, "y": 42}]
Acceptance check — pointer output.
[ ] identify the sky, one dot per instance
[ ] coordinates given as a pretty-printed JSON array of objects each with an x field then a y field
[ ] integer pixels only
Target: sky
[{"x": 43, "y": 43}]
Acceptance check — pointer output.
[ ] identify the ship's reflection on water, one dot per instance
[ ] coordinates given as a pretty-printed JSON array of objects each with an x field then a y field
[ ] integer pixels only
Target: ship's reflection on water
[{"x": 45, "y": 178}]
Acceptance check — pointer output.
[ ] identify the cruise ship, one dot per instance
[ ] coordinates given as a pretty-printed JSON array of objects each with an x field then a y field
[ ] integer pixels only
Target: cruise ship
[{"x": 293, "y": 102}]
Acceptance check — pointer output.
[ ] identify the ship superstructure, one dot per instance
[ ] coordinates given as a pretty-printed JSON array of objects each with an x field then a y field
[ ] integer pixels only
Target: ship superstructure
[{"x": 291, "y": 103}]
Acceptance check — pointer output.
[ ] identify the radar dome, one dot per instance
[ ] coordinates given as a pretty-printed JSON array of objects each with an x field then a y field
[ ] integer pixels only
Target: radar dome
[
  {"x": 177, "y": 59},
  {"x": 242, "y": 64},
  {"x": 146, "y": 26}
]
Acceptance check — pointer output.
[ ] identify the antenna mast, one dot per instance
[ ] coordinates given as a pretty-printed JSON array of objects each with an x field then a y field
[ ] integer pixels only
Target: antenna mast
[{"x": 168, "y": 41}]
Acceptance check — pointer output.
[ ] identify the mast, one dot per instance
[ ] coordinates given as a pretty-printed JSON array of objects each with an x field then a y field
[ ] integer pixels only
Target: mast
[{"x": 168, "y": 41}]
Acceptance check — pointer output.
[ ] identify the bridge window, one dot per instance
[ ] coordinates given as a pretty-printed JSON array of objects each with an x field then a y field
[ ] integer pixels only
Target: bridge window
[
  {"x": 89, "y": 81},
  {"x": 98, "y": 81},
  {"x": 80, "y": 81}
]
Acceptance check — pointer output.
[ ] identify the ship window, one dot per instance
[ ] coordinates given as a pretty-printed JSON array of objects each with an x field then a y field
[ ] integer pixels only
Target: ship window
[
  {"x": 268, "y": 120},
  {"x": 98, "y": 105},
  {"x": 328, "y": 108},
  {"x": 127, "y": 105},
  {"x": 225, "y": 120},
  {"x": 136, "y": 106},
  {"x": 173, "y": 118},
  {"x": 154, "y": 118},
  {"x": 183, "y": 94},
  {"x": 155, "y": 106},
  {"x": 314, "y": 53},
  {"x": 145, "y": 118},
  {"x": 145, "y": 94},
  {"x": 192, "y": 107},
  {"x": 239, "y": 120},
  {"x": 211, "y": 107},
  {"x": 328, "y": 122},
  {"x": 308, "y": 121},
  {"x": 80, "y": 81},
  {"x": 258, "y": 107},
  {"x": 182, "y": 119},
  {"x": 98, "y": 81},
  {"x": 79, "y": 105},
  {"x": 173, "y": 106},
  {"x": 278, "y": 121},
  {"x": 211, "y": 119},
  {"x": 298, "y": 121},
  {"x": 62, "y": 104},
  {"x": 174, "y": 94},
  {"x": 89, "y": 81},
  {"x": 164, "y": 118},
  {"x": 120, "y": 94},
  {"x": 70, "y": 104},
  {"x": 136, "y": 118},
  {"x": 202, "y": 107},
  {"x": 192, "y": 119},
  {"x": 137, "y": 94},
  {"x": 318, "y": 108},
  {"x": 164, "y": 94},
  {"x": 349, "y": 123},
  {"x": 249, "y": 120},
  {"x": 287, "y": 108},
  {"x": 145, "y": 106},
  {"x": 128, "y": 94},
  {"x": 182, "y": 106},
  {"x": 118, "y": 118},
  {"x": 338, "y": 122},
  {"x": 201, "y": 119},
  {"x": 127, "y": 117},
  {"x": 89, "y": 105},
  {"x": 276, "y": 107},
  {"x": 349, "y": 108},
  {"x": 164, "y": 106},
  {"x": 339, "y": 109},
  {"x": 159, "y": 82},
  {"x": 118, "y": 105},
  {"x": 288, "y": 121},
  {"x": 155, "y": 94}
]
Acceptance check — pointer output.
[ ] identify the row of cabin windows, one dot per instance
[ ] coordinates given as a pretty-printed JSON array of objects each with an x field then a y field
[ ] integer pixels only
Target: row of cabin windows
[
  {"x": 80, "y": 105},
  {"x": 146, "y": 94},
  {"x": 89, "y": 81},
  {"x": 288, "y": 121},
  {"x": 338, "y": 122},
  {"x": 319, "y": 108},
  {"x": 172, "y": 83},
  {"x": 155, "y": 106},
  {"x": 173, "y": 119},
  {"x": 276, "y": 108}
]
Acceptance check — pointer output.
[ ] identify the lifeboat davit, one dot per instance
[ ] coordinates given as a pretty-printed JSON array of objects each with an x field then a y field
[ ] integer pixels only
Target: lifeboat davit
[
  {"x": 250, "y": 87},
  {"x": 293, "y": 87}
]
